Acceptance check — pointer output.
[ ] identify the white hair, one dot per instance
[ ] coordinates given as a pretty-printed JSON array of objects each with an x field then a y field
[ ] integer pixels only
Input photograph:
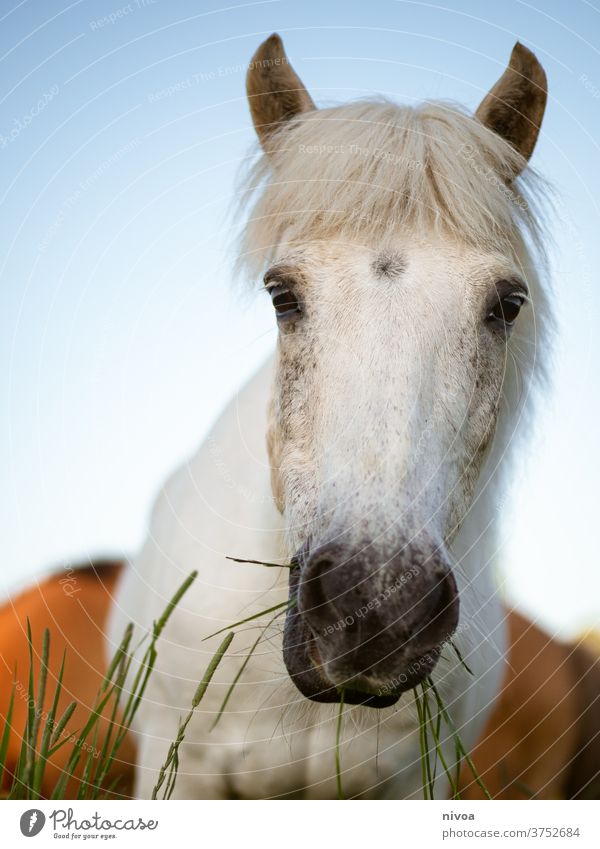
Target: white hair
[{"x": 368, "y": 169}]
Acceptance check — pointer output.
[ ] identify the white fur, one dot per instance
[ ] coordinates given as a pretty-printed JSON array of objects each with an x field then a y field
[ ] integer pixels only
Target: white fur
[{"x": 457, "y": 233}]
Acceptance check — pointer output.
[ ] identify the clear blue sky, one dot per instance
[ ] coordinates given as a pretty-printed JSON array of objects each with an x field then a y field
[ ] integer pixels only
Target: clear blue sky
[{"x": 121, "y": 333}]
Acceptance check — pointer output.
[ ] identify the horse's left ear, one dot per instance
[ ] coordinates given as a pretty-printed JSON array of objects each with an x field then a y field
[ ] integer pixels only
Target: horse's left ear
[
  {"x": 515, "y": 106},
  {"x": 275, "y": 91}
]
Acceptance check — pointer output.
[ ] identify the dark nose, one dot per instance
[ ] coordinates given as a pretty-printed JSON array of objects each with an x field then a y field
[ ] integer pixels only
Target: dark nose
[{"x": 371, "y": 615}]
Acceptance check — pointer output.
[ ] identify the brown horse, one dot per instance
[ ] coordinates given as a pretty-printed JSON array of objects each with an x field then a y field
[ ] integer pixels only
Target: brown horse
[
  {"x": 74, "y": 606},
  {"x": 542, "y": 740}
]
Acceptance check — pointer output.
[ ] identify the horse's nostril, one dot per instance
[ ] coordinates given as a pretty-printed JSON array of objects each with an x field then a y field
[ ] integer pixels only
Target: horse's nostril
[
  {"x": 443, "y": 617},
  {"x": 313, "y": 590}
]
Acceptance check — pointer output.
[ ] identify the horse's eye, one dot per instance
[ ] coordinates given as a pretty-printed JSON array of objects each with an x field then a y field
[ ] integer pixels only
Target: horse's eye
[
  {"x": 506, "y": 309},
  {"x": 285, "y": 302}
]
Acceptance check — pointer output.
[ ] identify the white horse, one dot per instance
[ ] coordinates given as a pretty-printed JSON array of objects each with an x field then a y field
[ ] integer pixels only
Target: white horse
[{"x": 369, "y": 453}]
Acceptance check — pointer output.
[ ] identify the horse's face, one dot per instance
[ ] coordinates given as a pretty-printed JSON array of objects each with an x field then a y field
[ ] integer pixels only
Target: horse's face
[{"x": 389, "y": 372}]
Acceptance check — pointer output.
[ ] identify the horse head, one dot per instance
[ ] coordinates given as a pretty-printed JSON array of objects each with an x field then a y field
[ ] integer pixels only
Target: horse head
[{"x": 397, "y": 265}]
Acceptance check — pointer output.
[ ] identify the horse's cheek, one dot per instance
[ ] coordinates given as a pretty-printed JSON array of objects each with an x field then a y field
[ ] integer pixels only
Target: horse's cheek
[{"x": 274, "y": 451}]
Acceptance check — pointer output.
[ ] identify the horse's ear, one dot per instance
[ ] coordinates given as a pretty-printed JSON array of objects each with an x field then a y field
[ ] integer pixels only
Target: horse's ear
[
  {"x": 515, "y": 106},
  {"x": 275, "y": 91}
]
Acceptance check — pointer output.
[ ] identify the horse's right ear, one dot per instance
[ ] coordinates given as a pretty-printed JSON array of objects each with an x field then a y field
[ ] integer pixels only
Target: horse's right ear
[
  {"x": 275, "y": 91},
  {"x": 515, "y": 106}
]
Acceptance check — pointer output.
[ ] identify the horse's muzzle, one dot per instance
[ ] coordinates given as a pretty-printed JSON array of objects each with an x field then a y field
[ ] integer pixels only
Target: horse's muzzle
[{"x": 370, "y": 626}]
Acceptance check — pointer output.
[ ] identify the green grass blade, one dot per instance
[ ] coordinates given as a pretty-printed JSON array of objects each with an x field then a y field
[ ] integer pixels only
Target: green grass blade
[
  {"x": 461, "y": 658},
  {"x": 119, "y": 656},
  {"x": 6, "y": 732},
  {"x": 60, "y": 727},
  {"x": 435, "y": 731},
  {"x": 35, "y": 709},
  {"x": 18, "y": 789},
  {"x": 75, "y": 756},
  {"x": 462, "y": 749},
  {"x": 27, "y": 737},
  {"x": 260, "y": 563},
  {"x": 423, "y": 746},
  {"x": 110, "y": 748},
  {"x": 338, "y": 759},
  {"x": 149, "y": 659},
  {"x": 241, "y": 670},
  {"x": 49, "y": 723},
  {"x": 171, "y": 764},
  {"x": 248, "y": 619},
  {"x": 457, "y": 763},
  {"x": 430, "y": 776},
  {"x": 174, "y": 601},
  {"x": 29, "y": 771},
  {"x": 71, "y": 737},
  {"x": 88, "y": 766}
]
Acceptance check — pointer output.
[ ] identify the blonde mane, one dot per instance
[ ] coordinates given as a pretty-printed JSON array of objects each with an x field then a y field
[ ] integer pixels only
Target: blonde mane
[{"x": 367, "y": 169}]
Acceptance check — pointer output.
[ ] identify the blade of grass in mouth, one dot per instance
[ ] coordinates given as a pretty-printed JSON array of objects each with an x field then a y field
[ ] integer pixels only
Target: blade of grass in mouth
[
  {"x": 427, "y": 721},
  {"x": 288, "y": 604},
  {"x": 242, "y": 668},
  {"x": 260, "y": 562},
  {"x": 435, "y": 725},
  {"x": 460, "y": 657},
  {"x": 459, "y": 744},
  {"x": 426, "y": 777},
  {"x": 338, "y": 760}
]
